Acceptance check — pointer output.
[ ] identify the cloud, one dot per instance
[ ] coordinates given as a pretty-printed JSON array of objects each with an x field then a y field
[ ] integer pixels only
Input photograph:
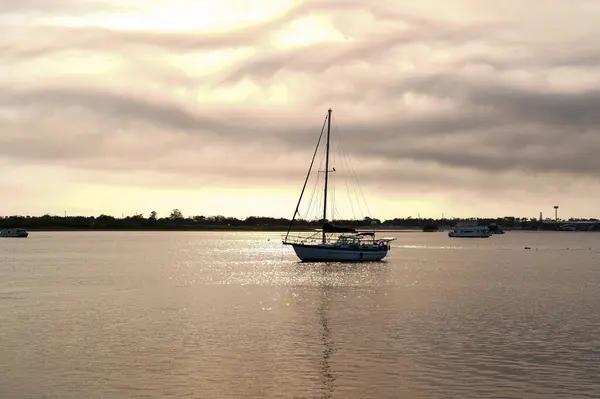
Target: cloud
[
  {"x": 453, "y": 96},
  {"x": 114, "y": 105},
  {"x": 52, "y": 7},
  {"x": 50, "y": 39},
  {"x": 374, "y": 48},
  {"x": 505, "y": 135}
]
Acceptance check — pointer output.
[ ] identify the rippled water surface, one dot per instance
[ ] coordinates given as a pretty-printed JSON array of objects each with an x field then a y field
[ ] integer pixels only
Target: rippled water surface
[{"x": 220, "y": 315}]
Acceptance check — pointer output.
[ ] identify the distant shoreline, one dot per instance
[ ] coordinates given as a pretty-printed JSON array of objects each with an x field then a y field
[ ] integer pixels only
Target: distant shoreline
[
  {"x": 176, "y": 222},
  {"x": 233, "y": 229},
  {"x": 237, "y": 229}
]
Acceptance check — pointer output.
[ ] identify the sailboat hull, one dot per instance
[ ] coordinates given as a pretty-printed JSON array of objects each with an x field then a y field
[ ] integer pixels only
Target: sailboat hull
[{"x": 327, "y": 253}]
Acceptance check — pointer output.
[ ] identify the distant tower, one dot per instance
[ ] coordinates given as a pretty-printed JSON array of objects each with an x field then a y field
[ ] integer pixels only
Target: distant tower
[
  {"x": 541, "y": 217},
  {"x": 556, "y": 213}
]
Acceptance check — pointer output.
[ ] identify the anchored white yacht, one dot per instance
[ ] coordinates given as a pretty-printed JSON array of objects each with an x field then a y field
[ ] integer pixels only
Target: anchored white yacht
[{"x": 470, "y": 230}]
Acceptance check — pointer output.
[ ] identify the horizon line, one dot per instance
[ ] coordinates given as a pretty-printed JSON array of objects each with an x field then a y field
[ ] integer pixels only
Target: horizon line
[{"x": 367, "y": 218}]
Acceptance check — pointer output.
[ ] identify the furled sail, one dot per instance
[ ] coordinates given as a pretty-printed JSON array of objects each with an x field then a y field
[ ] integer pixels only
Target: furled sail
[{"x": 330, "y": 228}]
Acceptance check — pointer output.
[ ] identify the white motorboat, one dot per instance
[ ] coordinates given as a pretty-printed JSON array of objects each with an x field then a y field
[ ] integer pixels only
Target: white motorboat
[{"x": 470, "y": 231}]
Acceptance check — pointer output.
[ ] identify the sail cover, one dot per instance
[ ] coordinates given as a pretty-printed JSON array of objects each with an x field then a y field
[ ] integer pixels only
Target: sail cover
[{"x": 330, "y": 228}]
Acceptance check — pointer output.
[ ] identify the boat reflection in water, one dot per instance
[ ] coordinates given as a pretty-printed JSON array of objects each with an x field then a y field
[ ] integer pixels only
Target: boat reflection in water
[{"x": 328, "y": 347}]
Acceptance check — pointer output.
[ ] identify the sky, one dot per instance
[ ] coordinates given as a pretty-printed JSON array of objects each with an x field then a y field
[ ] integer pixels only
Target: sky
[{"x": 461, "y": 107}]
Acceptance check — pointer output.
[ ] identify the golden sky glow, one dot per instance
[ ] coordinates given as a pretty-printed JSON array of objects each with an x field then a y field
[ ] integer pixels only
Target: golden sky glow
[{"x": 462, "y": 107}]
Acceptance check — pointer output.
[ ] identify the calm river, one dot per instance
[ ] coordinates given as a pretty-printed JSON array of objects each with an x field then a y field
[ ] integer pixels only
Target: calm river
[{"x": 228, "y": 315}]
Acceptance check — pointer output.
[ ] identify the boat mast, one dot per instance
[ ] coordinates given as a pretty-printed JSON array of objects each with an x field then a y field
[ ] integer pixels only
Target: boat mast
[{"x": 326, "y": 173}]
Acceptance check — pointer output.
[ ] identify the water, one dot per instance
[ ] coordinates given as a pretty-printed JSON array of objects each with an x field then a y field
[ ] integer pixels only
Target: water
[{"x": 222, "y": 315}]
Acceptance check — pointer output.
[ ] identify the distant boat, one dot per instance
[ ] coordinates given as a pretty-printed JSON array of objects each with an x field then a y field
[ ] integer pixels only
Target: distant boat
[
  {"x": 567, "y": 227},
  {"x": 470, "y": 231},
  {"x": 14, "y": 233},
  {"x": 324, "y": 245},
  {"x": 495, "y": 229},
  {"x": 430, "y": 228}
]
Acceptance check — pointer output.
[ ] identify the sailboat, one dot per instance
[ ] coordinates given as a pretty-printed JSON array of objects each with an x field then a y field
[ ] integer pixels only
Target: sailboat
[{"x": 325, "y": 245}]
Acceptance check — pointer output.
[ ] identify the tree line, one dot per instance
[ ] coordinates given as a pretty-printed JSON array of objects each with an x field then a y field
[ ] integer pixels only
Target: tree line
[{"x": 177, "y": 221}]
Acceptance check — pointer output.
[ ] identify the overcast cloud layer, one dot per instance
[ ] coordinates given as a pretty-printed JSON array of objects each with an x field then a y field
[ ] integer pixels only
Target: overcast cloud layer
[{"x": 458, "y": 98}]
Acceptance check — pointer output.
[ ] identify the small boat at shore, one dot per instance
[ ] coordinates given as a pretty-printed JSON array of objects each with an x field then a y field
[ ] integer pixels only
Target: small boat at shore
[
  {"x": 14, "y": 233},
  {"x": 470, "y": 231}
]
